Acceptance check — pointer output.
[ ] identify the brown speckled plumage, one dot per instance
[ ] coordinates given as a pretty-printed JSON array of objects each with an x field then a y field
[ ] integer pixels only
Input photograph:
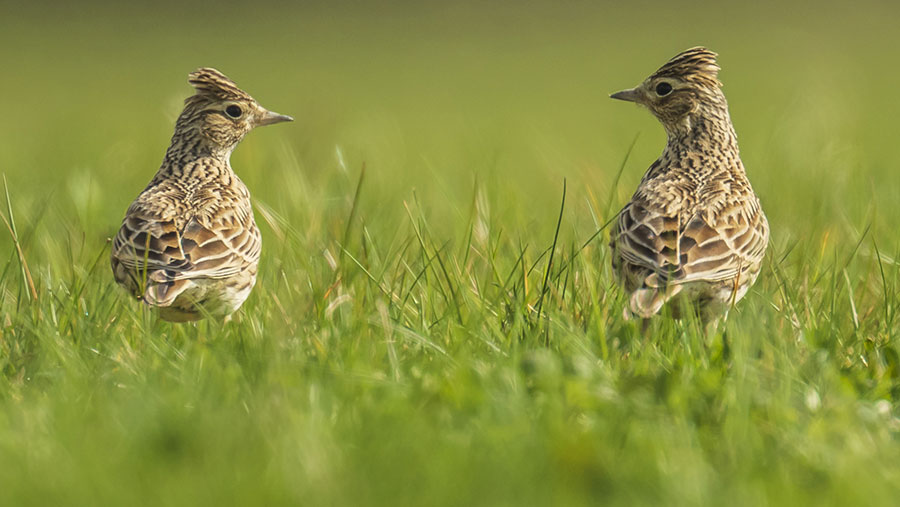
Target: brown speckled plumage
[
  {"x": 694, "y": 226},
  {"x": 189, "y": 244}
]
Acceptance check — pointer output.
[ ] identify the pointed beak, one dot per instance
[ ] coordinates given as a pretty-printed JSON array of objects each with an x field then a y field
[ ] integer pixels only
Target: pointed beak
[
  {"x": 270, "y": 117},
  {"x": 630, "y": 95}
]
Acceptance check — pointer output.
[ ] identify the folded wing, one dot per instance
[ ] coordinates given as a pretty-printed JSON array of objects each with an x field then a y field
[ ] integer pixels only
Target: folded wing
[
  {"x": 654, "y": 251},
  {"x": 157, "y": 260}
]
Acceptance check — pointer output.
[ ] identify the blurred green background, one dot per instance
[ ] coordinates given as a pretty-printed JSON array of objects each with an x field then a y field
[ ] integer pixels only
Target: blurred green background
[
  {"x": 396, "y": 358},
  {"x": 433, "y": 96}
]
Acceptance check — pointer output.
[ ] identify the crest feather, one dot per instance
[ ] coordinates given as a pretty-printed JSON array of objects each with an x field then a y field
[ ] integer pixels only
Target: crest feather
[
  {"x": 209, "y": 81},
  {"x": 696, "y": 64}
]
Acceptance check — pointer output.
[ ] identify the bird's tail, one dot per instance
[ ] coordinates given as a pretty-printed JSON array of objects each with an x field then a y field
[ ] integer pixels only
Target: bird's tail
[
  {"x": 164, "y": 291},
  {"x": 647, "y": 301}
]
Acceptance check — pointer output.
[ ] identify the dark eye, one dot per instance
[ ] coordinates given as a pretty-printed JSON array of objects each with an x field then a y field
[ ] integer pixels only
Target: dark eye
[
  {"x": 233, "y": 111},
  {"x": 663, "y": 89}
]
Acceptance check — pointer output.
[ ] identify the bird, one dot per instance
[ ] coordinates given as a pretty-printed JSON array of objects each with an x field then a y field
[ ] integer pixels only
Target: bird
[
  {"x": 189, "y": 245},
  {"x": 694, "y": 233}
]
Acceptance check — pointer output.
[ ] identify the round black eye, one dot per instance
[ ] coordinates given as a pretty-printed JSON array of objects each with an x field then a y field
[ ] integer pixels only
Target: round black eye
[
  {"x": 663, "y": 89},
  {"x": 233, "y": 111}
]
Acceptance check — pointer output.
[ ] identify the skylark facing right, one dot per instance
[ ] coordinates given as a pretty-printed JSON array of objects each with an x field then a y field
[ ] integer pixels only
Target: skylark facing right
[
  {"x": 694, "y": 227},
  {"x": 189, "y": 245}
]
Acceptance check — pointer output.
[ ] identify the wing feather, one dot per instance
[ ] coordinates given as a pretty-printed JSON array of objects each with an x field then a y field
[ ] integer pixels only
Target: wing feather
[
  {"x": 696, "y": 251},
  {"x": 158, "y": 256}
]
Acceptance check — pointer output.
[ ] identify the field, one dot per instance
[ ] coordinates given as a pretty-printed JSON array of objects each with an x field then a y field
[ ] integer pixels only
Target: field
[{"x": 433, "y": 324}]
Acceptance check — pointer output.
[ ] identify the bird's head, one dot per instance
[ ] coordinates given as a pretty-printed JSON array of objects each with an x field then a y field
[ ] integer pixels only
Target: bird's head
[
  {"x": 221, "y": 112},
  {"x": 685, "y": 85}
]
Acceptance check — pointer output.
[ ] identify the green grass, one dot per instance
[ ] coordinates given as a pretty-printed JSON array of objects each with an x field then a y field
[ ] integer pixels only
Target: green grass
[{"x": 392, "y": 352}]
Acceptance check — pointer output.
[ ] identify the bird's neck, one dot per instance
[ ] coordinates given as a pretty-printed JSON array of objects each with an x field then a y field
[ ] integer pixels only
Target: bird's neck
[
  {"x": 708, "y": 130},
  {"x": 703, "y": 144},
  {"x": 189, "y": 145},
  {"x": 709, "y": 125}
]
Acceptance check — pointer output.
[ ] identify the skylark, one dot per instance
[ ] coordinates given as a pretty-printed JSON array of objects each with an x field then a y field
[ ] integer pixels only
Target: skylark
[
  {"x": 694, "y": 228},
  {"x": 189, "y": 245}
]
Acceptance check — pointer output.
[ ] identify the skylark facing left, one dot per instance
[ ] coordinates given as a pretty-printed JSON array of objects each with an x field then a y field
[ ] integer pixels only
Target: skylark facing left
[
  {"x": 694, "y": 226},
  {"x": 189, "y": 244}
]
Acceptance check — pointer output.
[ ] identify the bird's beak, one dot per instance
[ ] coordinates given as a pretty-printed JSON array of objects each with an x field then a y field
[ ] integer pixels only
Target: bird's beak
[
  {"x": 270, "y": 117},
  {"x": 631, "y": 95}
]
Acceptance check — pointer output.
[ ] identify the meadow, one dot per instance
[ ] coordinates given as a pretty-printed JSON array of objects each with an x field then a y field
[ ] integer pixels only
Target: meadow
[{"x": 436, "y": 321}]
